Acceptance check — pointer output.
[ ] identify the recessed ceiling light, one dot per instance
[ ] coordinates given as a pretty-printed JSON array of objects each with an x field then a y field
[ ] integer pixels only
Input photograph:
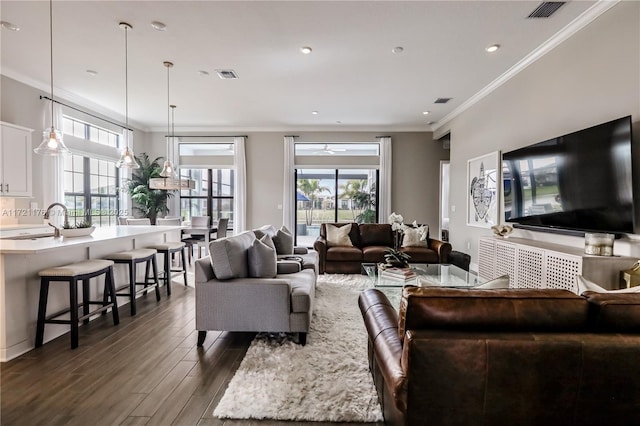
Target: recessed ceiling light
[
  {"x": 492, "y": 48},
  {"x": 158, "y": 26},
  {"x": 306, "y": 50},
  {"x": 425, "y": 112},
  {"x": 9, "y": 26},
  {"x": 431, "y": 123},
  {"x": 314, "y": 112},
  {"x": 338, "y": 122},
  {"x": 92, "y": 72},
  {"x": 398, "y": 49},
  {"x": 203, "y": 72}
]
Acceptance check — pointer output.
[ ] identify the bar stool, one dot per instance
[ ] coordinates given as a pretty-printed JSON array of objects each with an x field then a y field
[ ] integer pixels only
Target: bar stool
[
  {"x": 133, "y": 258},
  {"x": 81, "y": 271},
  {"x": 168, "y": 249}
]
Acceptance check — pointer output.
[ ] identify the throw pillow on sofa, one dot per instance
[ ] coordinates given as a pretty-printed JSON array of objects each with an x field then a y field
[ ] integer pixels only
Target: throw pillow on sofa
[
  {"x": 338, "y": 236},
  {"x": 415, "y": 237},
  {"x": 229, "y": 256},
  {"x": 262, "y": 259},
  {"x": 268, "y": 241},
  {"x": 283, "y": 241},
  {"x": 586, "y": 285}
]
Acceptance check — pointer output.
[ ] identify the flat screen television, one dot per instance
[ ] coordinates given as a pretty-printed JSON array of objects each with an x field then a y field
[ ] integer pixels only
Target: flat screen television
[{"x": 581, "y": 181}]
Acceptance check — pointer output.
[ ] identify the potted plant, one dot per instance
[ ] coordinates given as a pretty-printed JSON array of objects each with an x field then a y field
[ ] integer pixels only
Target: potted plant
[{"x": 149, "y": 202}]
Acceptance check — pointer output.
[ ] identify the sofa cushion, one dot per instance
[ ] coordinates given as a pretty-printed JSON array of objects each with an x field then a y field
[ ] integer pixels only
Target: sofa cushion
[
  {"x": 415, "y": 237},
  {"x": 302, "y": 290},
  {"x": 491, "y": 310},
  {"x": 266, "y": 238},
  {"x": 269, "y": 230},
  {"x": 288, "y": 266},
  {"x": 344, "y": 254},
  {"x": 261, "y": 259},
  {"x": 421, "y": 254},
  {"x": 338, "y": 236},
  {"x": 283, "y": 241},
  {"x": 614, "y": 312},
  {"x": 376, "y": 234},
  {"x": 354, "y": 235},
  {"x": 229, "y": 255},
  {"x": 374, "y": 254}
]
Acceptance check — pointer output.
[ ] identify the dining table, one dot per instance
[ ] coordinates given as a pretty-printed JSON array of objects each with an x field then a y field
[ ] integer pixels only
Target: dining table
[{"x": 187, "y": 229}]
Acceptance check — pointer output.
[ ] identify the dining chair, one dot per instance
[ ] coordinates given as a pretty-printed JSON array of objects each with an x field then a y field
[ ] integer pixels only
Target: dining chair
[
  {"x": 138, "y": 222},
  {"x": 222, "y": 227},
  {"x": 194, "y": 241},
  {"x": 169, "y": 222},
  {"x": 122, "y": 220}
]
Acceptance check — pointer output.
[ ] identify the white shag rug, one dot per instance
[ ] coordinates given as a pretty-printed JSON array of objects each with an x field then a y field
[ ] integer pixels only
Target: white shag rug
[{"x": 328, "y": 379}]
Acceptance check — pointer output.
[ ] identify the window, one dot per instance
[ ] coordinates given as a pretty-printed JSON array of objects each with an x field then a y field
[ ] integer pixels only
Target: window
[
  {"x": 90, "y": 190},
  {"x": 212, "y": 196},
  {"x": 90, "y": 184},
  {"x": 82, "y": 130},
  {"x": 333, "y": 195},
  {"x": 335, "y": 182}
]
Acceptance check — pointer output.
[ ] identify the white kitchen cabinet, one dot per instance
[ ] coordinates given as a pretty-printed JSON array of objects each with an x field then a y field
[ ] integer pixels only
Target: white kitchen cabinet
[
  {"x": 15, "y": 161},
  {"x": 537, "y": 264}
]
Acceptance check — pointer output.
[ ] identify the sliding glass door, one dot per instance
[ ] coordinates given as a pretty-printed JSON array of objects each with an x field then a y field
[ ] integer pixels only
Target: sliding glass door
[{"x": 333, "y": 195}]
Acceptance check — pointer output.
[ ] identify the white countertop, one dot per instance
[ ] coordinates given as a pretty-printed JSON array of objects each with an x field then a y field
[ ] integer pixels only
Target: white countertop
[
  {"x": 17, "y": 230},
  {"x": 38, "y": 245}
]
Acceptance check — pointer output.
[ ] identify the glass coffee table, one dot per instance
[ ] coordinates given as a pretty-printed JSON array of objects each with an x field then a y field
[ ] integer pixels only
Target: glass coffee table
[{"x": 427, "y": 275}]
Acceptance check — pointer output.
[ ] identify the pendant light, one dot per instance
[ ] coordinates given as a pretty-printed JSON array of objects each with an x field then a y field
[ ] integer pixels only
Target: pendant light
[
  {"x": 127, "y": 160},
  {"x": 169, "y": 179},
  {"x": 172, "y": 183},
  {"x": 168, "y": 171},
  {"x": 52, "y": 143}
]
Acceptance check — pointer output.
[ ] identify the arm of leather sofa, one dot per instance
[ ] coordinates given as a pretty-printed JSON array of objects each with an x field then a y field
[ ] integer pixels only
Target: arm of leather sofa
[
  {"x": 442, "y": 248},
  {"x": 320, "y": 245},
  {"x": 381, "y": 322}
]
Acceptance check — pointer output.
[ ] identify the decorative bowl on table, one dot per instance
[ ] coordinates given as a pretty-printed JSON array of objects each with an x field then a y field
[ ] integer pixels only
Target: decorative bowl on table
[{"x": 77, "y": 232}]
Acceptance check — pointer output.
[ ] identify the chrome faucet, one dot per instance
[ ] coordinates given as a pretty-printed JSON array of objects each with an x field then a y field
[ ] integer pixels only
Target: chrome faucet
[{"x": 56, "y": 232}]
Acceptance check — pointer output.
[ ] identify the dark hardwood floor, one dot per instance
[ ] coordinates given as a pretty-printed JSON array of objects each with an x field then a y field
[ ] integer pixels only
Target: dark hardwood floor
[{"x": 145, "y": 371}]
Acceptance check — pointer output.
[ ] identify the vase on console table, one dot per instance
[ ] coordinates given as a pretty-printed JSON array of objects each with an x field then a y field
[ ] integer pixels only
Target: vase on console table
[{"x": 502, "y": 230}]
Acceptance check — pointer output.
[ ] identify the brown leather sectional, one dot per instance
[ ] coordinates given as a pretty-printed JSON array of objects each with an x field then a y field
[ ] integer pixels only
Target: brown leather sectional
[
  {"x": 370, "y": 242},
  {"x": 509, "y": 356}
]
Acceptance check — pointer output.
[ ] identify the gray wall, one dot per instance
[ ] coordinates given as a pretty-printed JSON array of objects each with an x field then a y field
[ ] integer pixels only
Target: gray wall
[
  {"x": 591, "y": 78},
  {"x": 21, "y": 105},
  {"x": 416, "y": 159},
  {"x": 416, "y": 170}
]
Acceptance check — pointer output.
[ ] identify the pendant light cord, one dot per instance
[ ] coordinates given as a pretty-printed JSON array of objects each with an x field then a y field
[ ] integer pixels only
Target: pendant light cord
[
  {"x": 173, "y": 129},
  {"x": 51, "y": 52},
  {"x": 126, "y": 82},
  {"x": 168, "y": 111}
]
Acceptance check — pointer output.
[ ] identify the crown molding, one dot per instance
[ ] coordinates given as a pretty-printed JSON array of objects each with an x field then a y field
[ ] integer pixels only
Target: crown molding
[
  {"x": 558, "y": 38},
  {"x": 314, "y": 128}
]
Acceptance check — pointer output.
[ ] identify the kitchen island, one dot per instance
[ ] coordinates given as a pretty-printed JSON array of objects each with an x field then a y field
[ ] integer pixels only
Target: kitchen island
[{"x": 21, "y": 260}]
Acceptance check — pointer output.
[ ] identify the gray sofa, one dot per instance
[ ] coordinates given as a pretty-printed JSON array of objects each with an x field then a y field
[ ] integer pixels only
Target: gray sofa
[{"x": 228, "y": 298}]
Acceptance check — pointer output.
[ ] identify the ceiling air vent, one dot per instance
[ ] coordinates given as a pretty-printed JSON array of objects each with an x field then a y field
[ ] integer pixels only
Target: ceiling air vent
[
  {"x": 227, "y": 74},
  {"x": 442, "y": 100},
  {"x": 546, "y": 9}
]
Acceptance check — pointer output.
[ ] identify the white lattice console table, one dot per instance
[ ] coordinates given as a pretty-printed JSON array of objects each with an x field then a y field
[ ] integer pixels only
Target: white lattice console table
[{"x": 537, "y": 264}]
